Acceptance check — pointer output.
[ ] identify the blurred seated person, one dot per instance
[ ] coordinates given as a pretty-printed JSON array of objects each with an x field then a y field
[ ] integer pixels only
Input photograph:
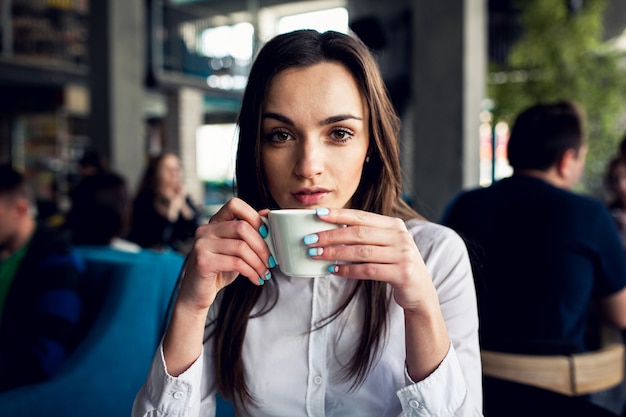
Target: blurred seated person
[
  {"x": 615, "y": 183},
  {"x": 40, "y": 303},
  {"x": 100, "y": 212},
  {"x": 92, "y": 162},
  {"x": 543, "y": 256},
  {"x": 163, "y": 214}
]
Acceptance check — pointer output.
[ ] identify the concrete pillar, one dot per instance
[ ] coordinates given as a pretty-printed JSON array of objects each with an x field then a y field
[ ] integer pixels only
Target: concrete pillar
[
  {"x": 117, "y": 46},
  {"x": 185, "y": 114},
  {"x": 433, "y": 58},
  {"x": 448, "y": 81}
]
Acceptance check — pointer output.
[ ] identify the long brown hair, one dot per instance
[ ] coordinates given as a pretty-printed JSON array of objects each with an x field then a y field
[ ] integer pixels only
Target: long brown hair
[
  {"x": 611, "y": 181},
  {"x": 379, "y": 191},
  {"x": 149, "y": 179}
]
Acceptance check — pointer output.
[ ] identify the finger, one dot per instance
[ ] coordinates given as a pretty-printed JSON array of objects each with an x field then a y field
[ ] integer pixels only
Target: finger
[
  {"x": 394, "y": 274},
  {"x": 240, "y": 266},
  {"x": 233, "y": 238},
  {"x": 357, "y": 253},
  {"x": 362, "y": 271},
  {"x": 350, "y": 217},
  {"x": 364, "y": 235},
  {"x": 237, "y": 209},
  {"x": 226, "y": 264},
  {"x": 240, "y": 257}
]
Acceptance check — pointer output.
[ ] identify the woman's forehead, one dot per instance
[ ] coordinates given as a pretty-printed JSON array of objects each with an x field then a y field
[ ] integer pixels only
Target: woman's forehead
[{"x": 320, "y": 88}]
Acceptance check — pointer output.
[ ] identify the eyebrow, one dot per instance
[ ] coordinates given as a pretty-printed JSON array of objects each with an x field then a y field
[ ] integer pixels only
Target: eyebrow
[{"x": 327, "y": 121}]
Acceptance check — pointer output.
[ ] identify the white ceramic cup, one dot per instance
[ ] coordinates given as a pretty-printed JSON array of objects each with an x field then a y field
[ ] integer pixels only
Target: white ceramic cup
[{"x": 286, "y": 231}]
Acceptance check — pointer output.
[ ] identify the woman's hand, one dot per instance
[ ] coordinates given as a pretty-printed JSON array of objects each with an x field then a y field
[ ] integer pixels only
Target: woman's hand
[
  {"x": 381, "y": 248},
  {"x": 376, "y": 247},
  {"x": 170, "y": 202},
  {"x": 229, "y": 245}
]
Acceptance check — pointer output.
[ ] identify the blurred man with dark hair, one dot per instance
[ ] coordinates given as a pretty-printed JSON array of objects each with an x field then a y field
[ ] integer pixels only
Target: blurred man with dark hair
[
  {"x": 100, "y": 212},
  {"x": 542, "y": 255},
  {"x": 40, "y": 303}
]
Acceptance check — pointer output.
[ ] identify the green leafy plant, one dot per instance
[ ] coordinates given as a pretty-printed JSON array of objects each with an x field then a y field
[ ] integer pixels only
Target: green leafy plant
[{"x": 562, "y": 55}]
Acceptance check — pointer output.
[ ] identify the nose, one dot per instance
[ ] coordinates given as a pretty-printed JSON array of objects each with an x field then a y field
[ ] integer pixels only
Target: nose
[{"x": 309, "y": 159}]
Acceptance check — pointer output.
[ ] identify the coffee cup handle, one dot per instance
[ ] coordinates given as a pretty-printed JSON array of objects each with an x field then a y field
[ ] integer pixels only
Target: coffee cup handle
[{"x": 268, "y": 239}]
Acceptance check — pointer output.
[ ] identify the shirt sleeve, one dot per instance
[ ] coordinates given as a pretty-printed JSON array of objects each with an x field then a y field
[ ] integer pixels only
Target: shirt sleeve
[
  {"x": 460, "y": 374},
  {"x": 166, "y": 395},
  {"x": 427, "y": 398}
]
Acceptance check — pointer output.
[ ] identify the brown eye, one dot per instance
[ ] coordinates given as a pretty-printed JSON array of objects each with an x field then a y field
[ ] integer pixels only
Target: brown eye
[
  {"x": 279, "y": 136},
  {"x": 341, "y": 135}
]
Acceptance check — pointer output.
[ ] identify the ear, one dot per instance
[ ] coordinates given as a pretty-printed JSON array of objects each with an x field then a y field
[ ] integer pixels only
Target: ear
[
  {"x": 22, "y": 206},
  {"x": 565, "y": 165}
]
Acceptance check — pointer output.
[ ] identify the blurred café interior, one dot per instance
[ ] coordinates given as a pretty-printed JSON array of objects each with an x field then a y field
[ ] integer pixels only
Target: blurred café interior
[
  {"x": 130, "y": 79},
  {"x": 133, "y": 78}
]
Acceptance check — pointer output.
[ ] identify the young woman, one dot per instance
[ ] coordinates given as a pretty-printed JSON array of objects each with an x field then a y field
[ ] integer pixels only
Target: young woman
[
  {"x": 163, "y": 215},
  {"x": 615, "y": 182},
  {"x": 391, "y": 329}
]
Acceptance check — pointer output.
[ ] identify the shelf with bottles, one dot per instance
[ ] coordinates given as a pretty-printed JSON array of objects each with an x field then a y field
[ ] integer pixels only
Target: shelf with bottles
[
  {"x": 46, "y": 32},
  {"x": 47, "y": 147}
]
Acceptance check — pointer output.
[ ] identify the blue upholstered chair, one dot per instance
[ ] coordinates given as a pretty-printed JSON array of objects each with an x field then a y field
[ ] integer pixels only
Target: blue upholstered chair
[{"x": 127, "y": 302}]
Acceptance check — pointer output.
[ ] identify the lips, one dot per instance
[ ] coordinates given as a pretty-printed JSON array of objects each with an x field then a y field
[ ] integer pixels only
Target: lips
[{"x": 310, "y": 196}]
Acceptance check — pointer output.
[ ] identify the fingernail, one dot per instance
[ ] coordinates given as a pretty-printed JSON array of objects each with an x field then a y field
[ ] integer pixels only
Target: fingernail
[
  {"x": 263, "y": 231},
  {"x": 268, "y": 275},
  {"x": 261, "y": 281},
  {"x": 322, "y": 211},
  {"x": 271, "y": 261},
  {"x": 309, "y": 239},
  {"x": 315, "y": 251},
  {"x": 333, "y": 269}
]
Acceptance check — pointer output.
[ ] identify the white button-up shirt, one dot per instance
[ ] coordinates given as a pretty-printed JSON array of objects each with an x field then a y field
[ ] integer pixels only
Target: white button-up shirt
[{"x": 292, "y": 371}]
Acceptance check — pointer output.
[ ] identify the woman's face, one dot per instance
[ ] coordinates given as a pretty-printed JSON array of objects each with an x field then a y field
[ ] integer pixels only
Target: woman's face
[
  {"x": 314, "y": 137},
  {"x": 169, "y": 174},
  {"x": 619, "y": 181}
]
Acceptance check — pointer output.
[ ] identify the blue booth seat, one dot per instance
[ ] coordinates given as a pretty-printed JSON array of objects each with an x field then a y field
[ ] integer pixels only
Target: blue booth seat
[{"x": 127, "y": 298}]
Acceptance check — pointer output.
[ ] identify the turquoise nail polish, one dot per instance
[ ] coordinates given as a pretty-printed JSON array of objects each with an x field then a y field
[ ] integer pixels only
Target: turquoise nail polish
[
  {"x": 271, "y": 261},
  {"x": 263, "y": 231},
  {"x": 268, "y": 275},
  {"x": 315, "y": 251},
  {"x": 309, "y": 239},
  {"x": 261, "y": 281},
  {"x": 333, "y": 268},
  {"x": 322, "y": 211}
]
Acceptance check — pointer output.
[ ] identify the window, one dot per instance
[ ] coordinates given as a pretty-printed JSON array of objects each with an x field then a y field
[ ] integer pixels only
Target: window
[{"x": 322, "y": 20}]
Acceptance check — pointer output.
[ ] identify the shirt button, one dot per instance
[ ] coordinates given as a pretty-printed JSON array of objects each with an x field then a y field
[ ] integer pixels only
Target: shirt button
[
  {"x": 317, "y": 380},
  {"x": 178, "y": 395},
  {"x": 414, "y": 404}
]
